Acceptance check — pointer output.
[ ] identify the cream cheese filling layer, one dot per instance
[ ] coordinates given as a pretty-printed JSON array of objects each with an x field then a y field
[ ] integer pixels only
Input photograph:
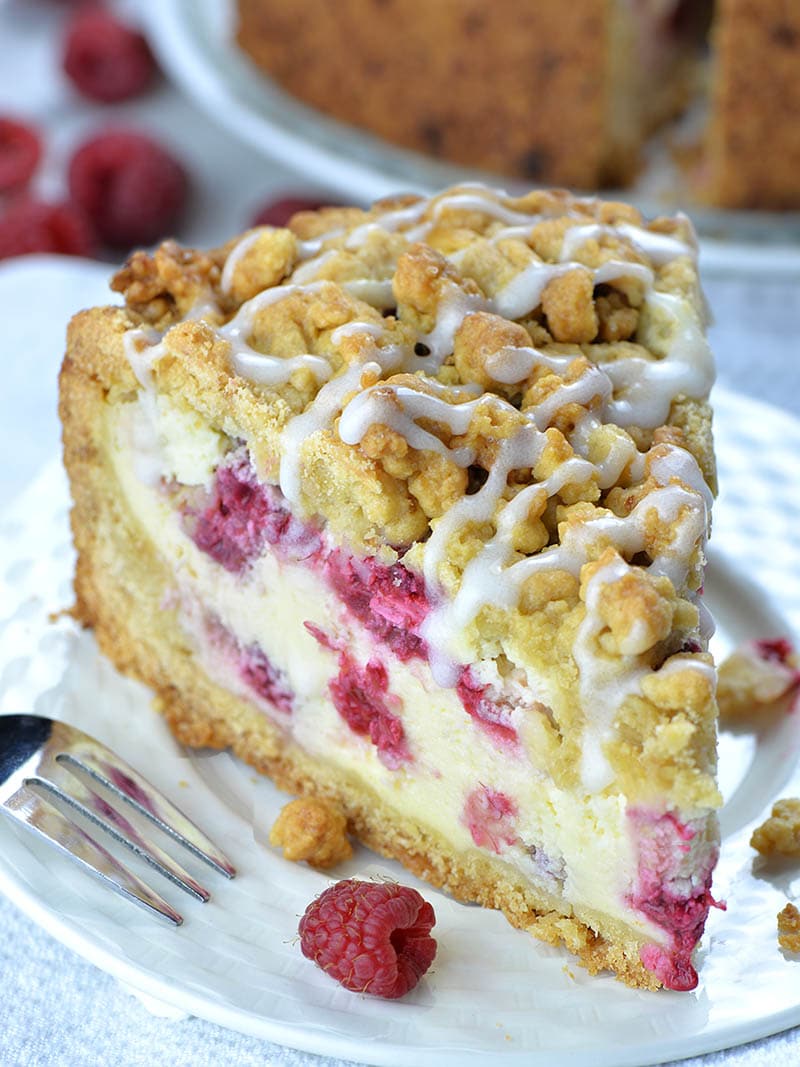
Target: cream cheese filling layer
[{"x": 579, "y": 849}]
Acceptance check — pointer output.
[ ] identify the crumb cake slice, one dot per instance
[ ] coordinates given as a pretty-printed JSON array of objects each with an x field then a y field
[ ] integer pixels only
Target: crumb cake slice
[{"x": 408, "y": 508}]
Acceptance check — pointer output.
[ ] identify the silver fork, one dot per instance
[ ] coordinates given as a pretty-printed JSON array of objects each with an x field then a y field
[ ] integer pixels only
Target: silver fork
[{"x": 43, "y": 761}]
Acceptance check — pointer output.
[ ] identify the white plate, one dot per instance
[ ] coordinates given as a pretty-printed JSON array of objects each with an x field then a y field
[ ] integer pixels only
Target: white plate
[
  {"x": 195, "y": 42},
  {"x": 495, "y": 996}
]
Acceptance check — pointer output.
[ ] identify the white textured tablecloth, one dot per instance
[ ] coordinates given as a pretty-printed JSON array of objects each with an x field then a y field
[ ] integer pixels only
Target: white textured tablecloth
[{"x": 55, "y": 1009}]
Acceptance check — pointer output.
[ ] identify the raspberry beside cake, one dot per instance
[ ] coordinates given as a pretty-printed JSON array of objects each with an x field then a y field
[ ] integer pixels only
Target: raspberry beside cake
[{"x": 408, "y": 508}]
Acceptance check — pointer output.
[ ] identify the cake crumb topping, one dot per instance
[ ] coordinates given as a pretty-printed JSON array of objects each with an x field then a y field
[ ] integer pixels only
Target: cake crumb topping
[{"x": 508, "y": 395}]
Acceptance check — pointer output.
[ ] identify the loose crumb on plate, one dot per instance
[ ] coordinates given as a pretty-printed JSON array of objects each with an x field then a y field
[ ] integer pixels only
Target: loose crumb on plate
[
  {"x": 754, "y": 678},
  {"x": 313, "y": 829},
  {"x": 780, "y": 833},
  {"x": 789, "y": 928}
]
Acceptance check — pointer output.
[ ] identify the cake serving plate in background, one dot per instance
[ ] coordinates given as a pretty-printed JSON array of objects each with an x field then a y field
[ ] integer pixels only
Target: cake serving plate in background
[{"x": 195, "y": 42}]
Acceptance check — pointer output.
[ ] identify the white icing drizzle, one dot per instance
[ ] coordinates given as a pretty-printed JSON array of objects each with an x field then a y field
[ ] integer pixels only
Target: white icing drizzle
[
  {"x": 513, "y": 365},
  {"x": 523, "y": 294},
  {"x": 474, "y": 201},
  {"x": 645, "y": 388},
  {"x": 633, "y": 391},
  {"x": 592, "y": 385},
  {"x": 454, "y": 306},
  {"x": 602, "y": 688},
  {"x": 317, "y": 416},
  {"x": 235, "y": 256},
  {"x": 399, "y": 407},
  {"x": 271, "y": 370},
  {"x": 320, "y": 414},
  {"x": 260, "y": 367},
  {"x": 371, "y": 329},
  {"x": 306, "y": 249},
  {"x": 142, "y": 346},
  {"x": 660, "y": 248},
  {"x": 389, "y": 222},
  {"x": 307, "y": 271},
  {"x": 378, "y": 293}
]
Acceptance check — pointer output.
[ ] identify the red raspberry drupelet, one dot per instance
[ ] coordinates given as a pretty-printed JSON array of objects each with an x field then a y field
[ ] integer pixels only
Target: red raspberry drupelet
[
  {"x": 104, "y": 59},
  {"x": 371, "y": 937},
  {"x": 130, "y": 186},
  {"x": 29, "y": 225},
  {"x": 20, "y": 152}
]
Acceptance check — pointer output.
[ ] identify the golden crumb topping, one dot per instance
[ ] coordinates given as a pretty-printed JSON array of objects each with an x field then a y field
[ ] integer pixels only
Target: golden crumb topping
[{"x": 507, "y": 393}]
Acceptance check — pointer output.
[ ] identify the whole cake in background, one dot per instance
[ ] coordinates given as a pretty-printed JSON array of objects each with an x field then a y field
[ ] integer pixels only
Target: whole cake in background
[
  {"x": 408, "y": 508},
  {"x": 551, "y": 92}
]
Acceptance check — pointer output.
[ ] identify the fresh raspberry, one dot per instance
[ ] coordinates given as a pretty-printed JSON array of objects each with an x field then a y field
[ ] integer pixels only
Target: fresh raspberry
[
  {"x": 33, "y": 226},
  {"x": 104, "y": 59},
  {"x": 371, "y": 937},
  {"x": 129, "y": 185},
  {"x": 20, "y": 152},
  {"x": 278, "y": 212}
]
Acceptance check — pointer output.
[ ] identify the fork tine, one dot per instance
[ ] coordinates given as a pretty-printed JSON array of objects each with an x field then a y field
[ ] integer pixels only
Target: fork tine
[
  {"x": 115, "y": 774},
  {"x": 38, "y": 814},
  {"x": 93, "y": 807}
]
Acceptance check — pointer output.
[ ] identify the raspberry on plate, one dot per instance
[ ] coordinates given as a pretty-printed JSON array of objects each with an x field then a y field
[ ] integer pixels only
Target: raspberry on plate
[
  {"x": 371, "y": 937},
  {"x": 20, "y": 151},
  {"x": 130, "y": 186},
  {"x": 33, "y": 226},
  {"x": 104, "y": 59}
]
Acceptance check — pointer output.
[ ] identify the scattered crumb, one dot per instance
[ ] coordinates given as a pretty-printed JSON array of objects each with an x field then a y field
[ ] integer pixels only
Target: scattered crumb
[
  {"x": 780, "y": 833},
  {"x": 312, "y": 829},
  {"x": 789, "y": 928},
  {"x": 183, "y": 784},
  {"x": 754, "y": 677}
]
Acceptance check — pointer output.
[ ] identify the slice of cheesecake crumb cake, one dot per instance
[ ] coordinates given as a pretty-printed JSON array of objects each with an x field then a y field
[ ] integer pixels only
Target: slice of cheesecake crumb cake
[{"x": 408, "y": 508}]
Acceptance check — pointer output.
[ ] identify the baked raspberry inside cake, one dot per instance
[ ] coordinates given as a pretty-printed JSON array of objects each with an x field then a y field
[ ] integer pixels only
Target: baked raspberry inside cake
[{"x": 408, "y": 508}]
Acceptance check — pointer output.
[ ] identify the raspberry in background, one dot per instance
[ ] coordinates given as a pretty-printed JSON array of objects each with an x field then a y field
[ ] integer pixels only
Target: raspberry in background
[
  {"x": 33, "y": 226},
  {"x": 131, "y": 188},
  {"x": 104, "y": 59},
  {"x": 20, "y": 152},
  {"x": 371, "y": 937},
  {"x": 278, "y": 212}
]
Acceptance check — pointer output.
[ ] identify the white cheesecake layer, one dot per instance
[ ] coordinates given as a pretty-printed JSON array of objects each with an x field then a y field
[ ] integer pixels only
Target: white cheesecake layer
[{"x": 579, "y": 848}]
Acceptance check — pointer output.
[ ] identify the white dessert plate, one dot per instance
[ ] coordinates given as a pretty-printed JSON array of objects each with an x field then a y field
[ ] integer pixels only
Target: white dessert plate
[
  {"x": 494, "y": 996},
  {"x": 195, "y": 42}
]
